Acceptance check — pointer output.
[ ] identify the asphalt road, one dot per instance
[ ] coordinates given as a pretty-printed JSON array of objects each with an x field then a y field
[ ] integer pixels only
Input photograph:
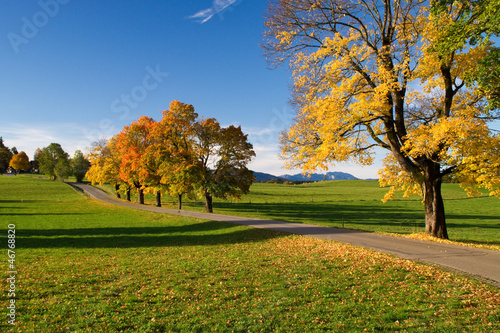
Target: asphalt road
[{"x": 480, "y": 264}]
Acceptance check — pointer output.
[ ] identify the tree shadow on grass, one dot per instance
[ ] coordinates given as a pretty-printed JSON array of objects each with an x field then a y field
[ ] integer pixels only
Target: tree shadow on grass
[
  {"x": 42, "y": 214},
  {"x": 12, "y": 208},
  {"x": 23, "y": 201},
  {"x": 325, "y": 212},
  {"x": 366, "y": 212},
  {"x": 369, "y": 215},
  {"x": 204, "y": 233}
]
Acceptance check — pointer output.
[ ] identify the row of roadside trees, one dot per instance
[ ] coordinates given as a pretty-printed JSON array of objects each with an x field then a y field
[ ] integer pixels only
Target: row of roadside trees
[{"x": 179, "y": 155}]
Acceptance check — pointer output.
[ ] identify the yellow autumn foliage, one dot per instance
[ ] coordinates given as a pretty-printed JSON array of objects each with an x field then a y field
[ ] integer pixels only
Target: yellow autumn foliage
[
  {"x": 347, "y": 88},
  {"x": 366, "y": 75}
]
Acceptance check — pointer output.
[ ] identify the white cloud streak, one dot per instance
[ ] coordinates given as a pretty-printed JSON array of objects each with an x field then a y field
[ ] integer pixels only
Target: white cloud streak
[
  {"x": 217, "y": 7},
  {"x": 28, "y": 138}
]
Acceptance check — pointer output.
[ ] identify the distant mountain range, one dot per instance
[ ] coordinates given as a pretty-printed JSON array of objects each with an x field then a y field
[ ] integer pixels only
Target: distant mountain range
[{"x": 334, "y": 175}]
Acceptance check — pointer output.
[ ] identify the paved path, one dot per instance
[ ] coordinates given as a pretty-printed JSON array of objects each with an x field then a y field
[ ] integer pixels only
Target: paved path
[{"x": 480, "y": 264}]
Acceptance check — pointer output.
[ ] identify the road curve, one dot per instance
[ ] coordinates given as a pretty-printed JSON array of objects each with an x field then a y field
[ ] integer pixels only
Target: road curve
[{"x": 480, "y": 264}]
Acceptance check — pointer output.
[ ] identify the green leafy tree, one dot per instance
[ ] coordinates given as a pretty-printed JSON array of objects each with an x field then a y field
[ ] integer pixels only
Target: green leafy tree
[
  {"x": 474, "y": 23},
  {"x": 62, "y": 168},
  {"x": 5, "y": 156},
  {"x": 54, "y": 161},
  {"x": 79, "y": 165}
]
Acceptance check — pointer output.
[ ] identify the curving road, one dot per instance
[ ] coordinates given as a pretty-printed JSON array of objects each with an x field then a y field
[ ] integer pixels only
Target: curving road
[{"x": 479, "y": 264}]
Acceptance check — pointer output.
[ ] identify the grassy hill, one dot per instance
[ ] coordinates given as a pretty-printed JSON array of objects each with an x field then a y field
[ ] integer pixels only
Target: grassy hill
[{"x": 86, "y": 266}]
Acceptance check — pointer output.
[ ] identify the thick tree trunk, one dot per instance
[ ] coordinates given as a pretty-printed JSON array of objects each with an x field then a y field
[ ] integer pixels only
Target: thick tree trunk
[
  {"x": 117, "y": 188},
  {"x": 208, "y": 202},
  {"x": 435, "y": 221},
  {"x": 128, "y": 194},
  {"x": 140, "y": 193},
  {"x": 158, "y": 199},
  {"x": 179, "y": 202}
]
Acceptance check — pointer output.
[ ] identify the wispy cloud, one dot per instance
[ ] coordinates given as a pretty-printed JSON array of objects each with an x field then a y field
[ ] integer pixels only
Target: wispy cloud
[
  {"x": 28, "y": 138},
  {"x": 217, "y": 7},
  {"x": 267, "y": 159}
]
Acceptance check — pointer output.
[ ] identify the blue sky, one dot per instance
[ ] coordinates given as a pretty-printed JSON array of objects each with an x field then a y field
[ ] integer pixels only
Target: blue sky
[{"x": 74, "y": 71}]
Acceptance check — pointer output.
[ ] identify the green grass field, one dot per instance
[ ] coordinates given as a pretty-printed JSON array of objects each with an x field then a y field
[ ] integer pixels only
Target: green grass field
[
  {"x": 357, "y": 205},
  {"x": 86, "y": 266}
]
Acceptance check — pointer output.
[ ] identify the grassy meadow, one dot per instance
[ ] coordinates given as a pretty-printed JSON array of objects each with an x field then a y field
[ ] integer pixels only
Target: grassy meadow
[
  {"x": 86, "y": 266},
  {"x": 356, "y": 204}
]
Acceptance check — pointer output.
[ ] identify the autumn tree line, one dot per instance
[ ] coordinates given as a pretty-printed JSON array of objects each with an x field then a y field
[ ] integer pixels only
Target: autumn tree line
[
  {"x": 180, "y": 155},
  {"x": 51, "y": 160}
]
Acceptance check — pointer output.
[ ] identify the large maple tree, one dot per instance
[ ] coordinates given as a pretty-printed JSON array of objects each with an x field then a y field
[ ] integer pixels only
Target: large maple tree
[{"x": 367, "y": 74}]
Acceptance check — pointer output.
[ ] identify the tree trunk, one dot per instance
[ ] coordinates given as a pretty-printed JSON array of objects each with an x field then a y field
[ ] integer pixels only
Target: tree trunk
[
  {"x": 128, "y": 194},
  {"x": 158, "y": 199},
  {"x": 208, "y": 202},
  {"x": 117, "y": 188},
  {"x": 435, "y": 221},
  {"x": 140, "y": 192},
  {"x": 179, "y": 203}
]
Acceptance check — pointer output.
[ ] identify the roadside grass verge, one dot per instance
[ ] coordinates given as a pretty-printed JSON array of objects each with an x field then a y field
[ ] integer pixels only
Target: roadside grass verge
[
  {"x": 86, "y": 266},
  {"x": 357, "y": 205}
]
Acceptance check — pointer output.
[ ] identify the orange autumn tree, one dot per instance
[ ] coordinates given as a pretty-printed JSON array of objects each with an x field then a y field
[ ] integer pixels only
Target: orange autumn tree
[
  {"x": 365, "y": 76},
  {"x": 150, "y": 161},
  {"x": 20, "y": 162},
  {"x": 132, "y": 143}
]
